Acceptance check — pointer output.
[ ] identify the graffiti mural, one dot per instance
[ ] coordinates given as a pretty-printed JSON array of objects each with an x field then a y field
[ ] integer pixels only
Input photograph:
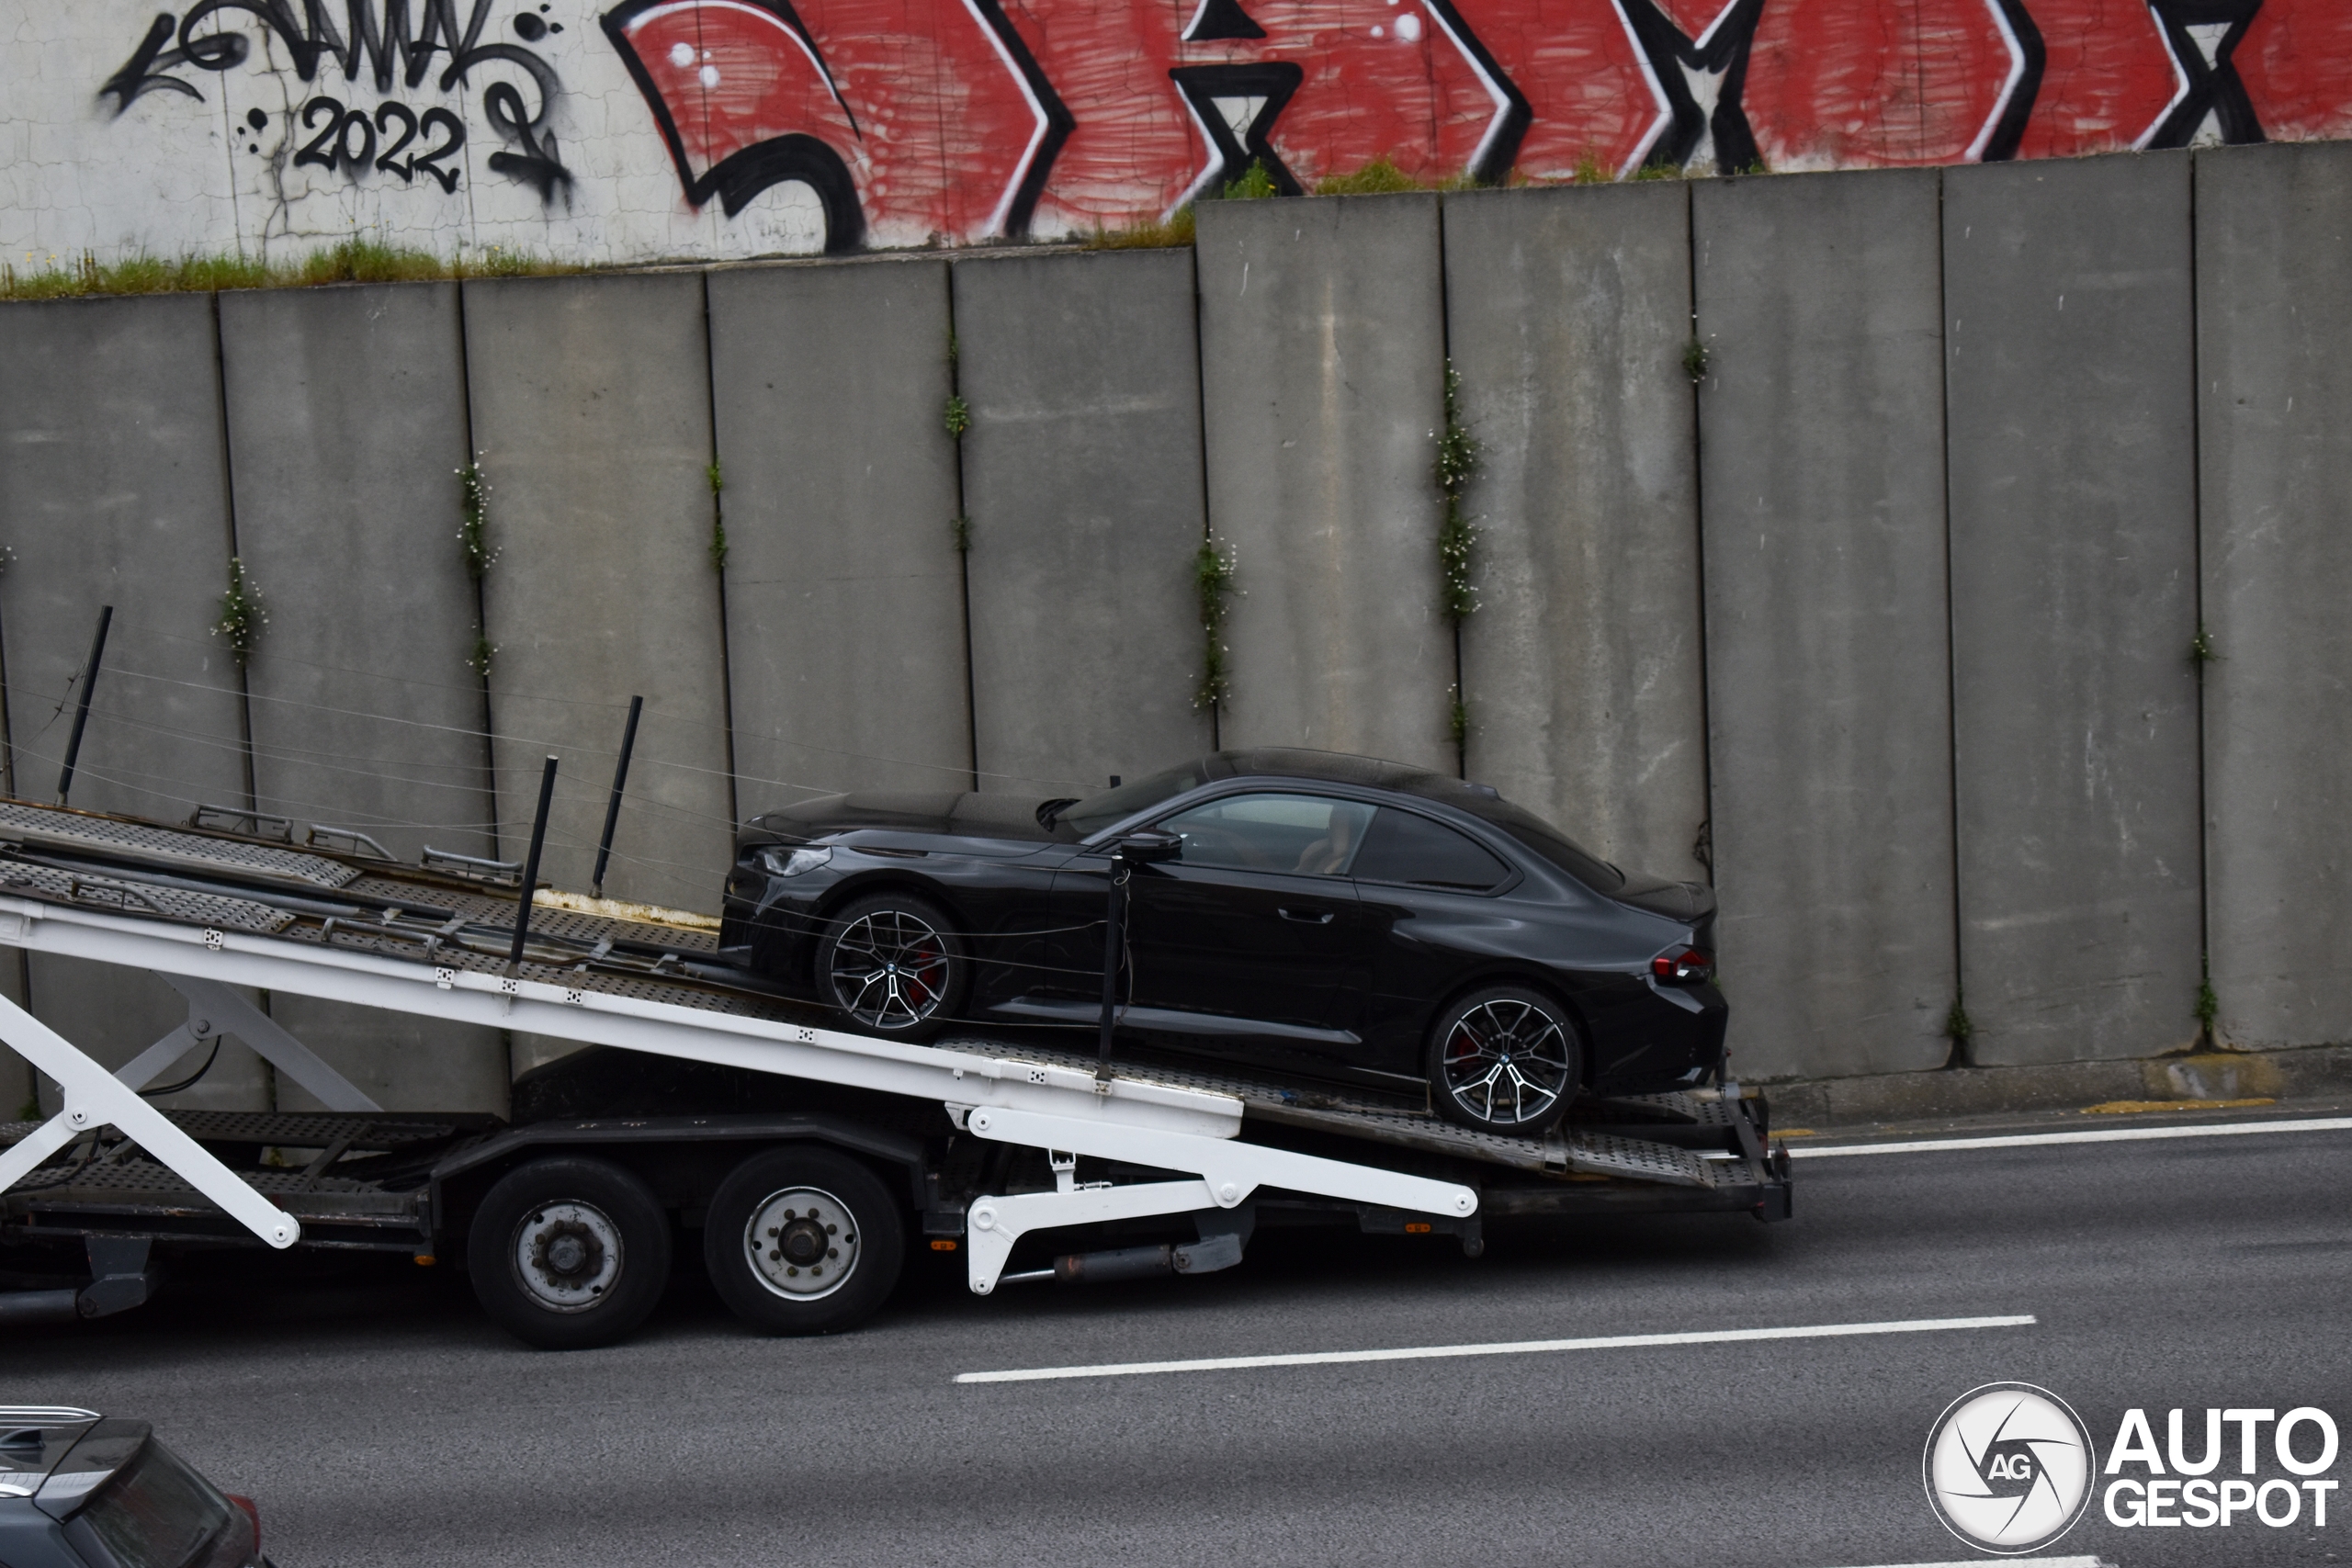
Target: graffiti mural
[{"x": 656, "y": 128}]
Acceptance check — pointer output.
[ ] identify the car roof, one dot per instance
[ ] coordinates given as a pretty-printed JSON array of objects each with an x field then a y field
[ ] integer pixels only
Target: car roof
[{"x": 1338, "y": 767}]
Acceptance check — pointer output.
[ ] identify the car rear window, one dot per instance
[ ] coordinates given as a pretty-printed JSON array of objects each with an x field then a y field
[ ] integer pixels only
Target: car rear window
[
  {"x": 1402, "y": 846},
  {"x": 156, "y": 1512}
]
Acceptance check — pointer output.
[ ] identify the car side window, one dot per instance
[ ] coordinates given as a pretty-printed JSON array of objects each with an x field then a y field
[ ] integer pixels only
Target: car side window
[
  {"x": 1403, "y": 846},
  {"x": 1308, "y": 835}
]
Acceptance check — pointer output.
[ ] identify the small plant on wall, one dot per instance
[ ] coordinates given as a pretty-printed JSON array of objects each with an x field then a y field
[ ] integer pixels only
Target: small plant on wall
[
  {"x": 241, "y": 616},
  {"x": 1457, "y": 536},
  {"x": 1213, "y": 572},
  {"x": 473, "y": 540}
]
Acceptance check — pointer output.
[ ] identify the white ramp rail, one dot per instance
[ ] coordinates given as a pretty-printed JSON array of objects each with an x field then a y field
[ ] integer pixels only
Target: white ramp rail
[{"x": 1131, "y": 1119}]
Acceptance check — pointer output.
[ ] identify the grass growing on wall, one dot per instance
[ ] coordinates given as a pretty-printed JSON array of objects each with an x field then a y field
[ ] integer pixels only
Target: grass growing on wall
[{"x": 354, "y": 260}]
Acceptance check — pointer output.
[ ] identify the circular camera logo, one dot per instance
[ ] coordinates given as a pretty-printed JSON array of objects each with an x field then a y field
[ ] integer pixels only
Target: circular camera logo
[{"x": 2008, "y": 1467}]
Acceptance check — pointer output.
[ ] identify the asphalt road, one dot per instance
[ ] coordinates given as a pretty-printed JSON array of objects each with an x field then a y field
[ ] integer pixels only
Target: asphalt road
[{"x": 381, "y": 1421}]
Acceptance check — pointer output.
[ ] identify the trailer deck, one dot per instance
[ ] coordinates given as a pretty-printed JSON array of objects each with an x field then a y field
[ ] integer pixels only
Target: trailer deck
[{"x": 211, "y": 909}]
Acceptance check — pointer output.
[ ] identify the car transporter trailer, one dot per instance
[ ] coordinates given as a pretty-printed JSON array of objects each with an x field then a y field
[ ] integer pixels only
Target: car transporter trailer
[{"x": 972, "y": 1144}]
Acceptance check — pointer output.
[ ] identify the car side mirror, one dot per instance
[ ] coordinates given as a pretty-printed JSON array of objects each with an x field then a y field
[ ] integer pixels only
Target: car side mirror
[{"x": 1149, "y": 846}]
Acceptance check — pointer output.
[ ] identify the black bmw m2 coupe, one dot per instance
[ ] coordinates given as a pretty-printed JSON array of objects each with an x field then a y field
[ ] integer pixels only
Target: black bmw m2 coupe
[{"x": 1325, "y": 917}]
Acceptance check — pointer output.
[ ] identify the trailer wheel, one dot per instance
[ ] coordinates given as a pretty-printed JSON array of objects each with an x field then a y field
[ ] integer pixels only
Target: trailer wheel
[
  {"x": 803, "y": 1241},
  {"x": 567, "y": 1253},
  {"x": 1505, "y": 1060},
  {"x": 892, "y": 965}
]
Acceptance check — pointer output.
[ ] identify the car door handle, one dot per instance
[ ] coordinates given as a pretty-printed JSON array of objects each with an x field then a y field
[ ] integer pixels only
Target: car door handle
[{"x": 1306, "y": 916}]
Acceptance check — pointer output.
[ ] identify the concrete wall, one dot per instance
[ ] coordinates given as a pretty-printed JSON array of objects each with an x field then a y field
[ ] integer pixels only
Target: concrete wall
[
  {"x": 844, "y": 593},
  {"x": 347, "y": 409},
  {"x": 2073, "y": 535},
  {"x": 1082, "y": 482},
  {"x": 2274, "y": 308},
  {"x": 591, "y": 416},
  {"x": 1567, "y": 312},
  {"x": 1323, "y": 360},
  {"x": 1827, "y": 678},
  {"x": 113, "y": 490},
  {"x": 1856, "y": 443}
]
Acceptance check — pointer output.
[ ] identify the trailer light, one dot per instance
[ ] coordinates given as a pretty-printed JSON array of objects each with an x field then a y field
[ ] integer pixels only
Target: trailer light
[
  {"x": 942, "y": 1244},
  {"x": 782, "y": 861},
  {"x": 425, "y": 1261},
  {"x": 1688, "y": 966},
  {"x": 1417, "y": 1227}
]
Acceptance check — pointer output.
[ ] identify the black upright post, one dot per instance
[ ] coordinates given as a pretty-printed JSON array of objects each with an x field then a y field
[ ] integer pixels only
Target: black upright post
[
  {"x": 1114, "y": 941},
  {"x": 81, "y": 712},
  {"x": 531, "y": 864},
  {"x": 612, "y": 807}
]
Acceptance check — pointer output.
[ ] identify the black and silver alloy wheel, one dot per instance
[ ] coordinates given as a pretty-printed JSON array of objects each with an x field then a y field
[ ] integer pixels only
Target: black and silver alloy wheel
[
  {"x": 892, "y": 965},
  {"x": 803, "y": 1239},
  {"x": 567, "y": 1252},
  {"x": 1505, "y": 1060}
]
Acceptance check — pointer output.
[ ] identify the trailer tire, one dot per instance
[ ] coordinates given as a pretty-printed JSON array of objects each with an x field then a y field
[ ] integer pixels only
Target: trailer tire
[
  {"x": 567, "y": 1253},
  {"x": 802, "y": 1240}
]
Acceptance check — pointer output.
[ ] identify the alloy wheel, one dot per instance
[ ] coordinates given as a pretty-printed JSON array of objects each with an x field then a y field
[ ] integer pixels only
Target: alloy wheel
[{"x": 1507, "y": 1063}]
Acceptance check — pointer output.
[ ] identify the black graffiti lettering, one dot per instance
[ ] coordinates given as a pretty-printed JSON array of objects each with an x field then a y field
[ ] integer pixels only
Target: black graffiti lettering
[
  {"x": 147, "y": 69},
  {"x": 345, "y": 139},
  {"x": 2203, "y": 36},
  {"x": 429, "y": 161},
  {"x": 391, "y": 163},
  {"x": 378, "y": 35},
  {"x": 379, "y": 40},
  {"x": 536, "y": 164},
  {"x": 319, "y": 149},
  {"x": 1703, "y": 82},
  {"x": 356, "y": 162}
]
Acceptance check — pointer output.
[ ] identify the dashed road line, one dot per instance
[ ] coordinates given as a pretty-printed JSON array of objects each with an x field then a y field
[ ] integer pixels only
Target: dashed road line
[
  {"x": 2087, "y": 1135},
  {"x": 1514, "y": 1347}
]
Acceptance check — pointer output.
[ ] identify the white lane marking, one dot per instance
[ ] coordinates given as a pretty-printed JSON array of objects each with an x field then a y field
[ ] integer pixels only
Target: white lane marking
[
  {"x": 2014, "y": 1563},
  {"x": 2087, "y": 1135},
  {"x": 1514, "y": 1347}
]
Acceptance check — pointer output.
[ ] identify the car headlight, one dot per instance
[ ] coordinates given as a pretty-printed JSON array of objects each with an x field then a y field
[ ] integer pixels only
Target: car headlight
[{"x": 782, "y": 861}]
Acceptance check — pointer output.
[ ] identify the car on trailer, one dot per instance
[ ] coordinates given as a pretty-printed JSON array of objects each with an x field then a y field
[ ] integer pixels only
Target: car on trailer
[
  {"x": 709, "y": 1111},
  {"x": 1332, "y": 917}
]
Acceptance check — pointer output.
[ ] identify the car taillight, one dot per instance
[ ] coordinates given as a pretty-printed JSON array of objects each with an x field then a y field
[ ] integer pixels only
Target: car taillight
[
  {"x": 1687, "y": 967},
  {"x": 253, "y": 1514}
]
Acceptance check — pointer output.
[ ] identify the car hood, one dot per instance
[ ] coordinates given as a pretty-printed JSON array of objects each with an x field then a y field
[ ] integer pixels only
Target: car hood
[
  {"x": 1689, "y": 902},
  {"x": 966, "y": 815}
]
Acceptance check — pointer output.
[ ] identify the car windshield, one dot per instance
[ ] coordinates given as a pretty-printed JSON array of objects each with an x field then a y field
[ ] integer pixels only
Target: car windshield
[
  {"x": 156, "y": 1512},
  {"x": 1091, "y": 816}
]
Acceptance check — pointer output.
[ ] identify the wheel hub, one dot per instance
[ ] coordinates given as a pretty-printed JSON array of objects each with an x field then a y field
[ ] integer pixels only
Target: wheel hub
[
  {"x": 567, "y": 1256},
  {"x": 801, "y": 1243}
]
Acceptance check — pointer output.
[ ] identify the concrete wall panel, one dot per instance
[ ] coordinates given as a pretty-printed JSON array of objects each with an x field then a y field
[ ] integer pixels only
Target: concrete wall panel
[
  {"x": 592, "y": 415},
  {"x": 2274, "y": 310},
  {"x": 1566, "y": 313},
  {"x": 844, "y": 595},
  {"x": 1082, "y": 481},
  {"x": 2073, "y": 548},
  {"x": 112, "y": 490},
  {"x": 347, "y": 419},
  {"x": 1323, "y": 364},
  {"x": 1821, "y": 425}
]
